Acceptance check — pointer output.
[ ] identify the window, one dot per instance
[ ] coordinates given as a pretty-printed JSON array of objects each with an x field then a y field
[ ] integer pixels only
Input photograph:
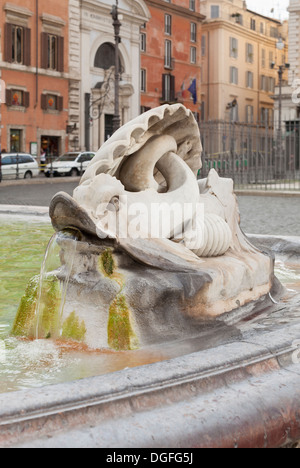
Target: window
[
  {"x": 271, "y": 85},
  {"x": 193, "y": 32},
  {"x": 17, "y": 98},
  {"x": 234, "y": 113},
  {"x": 168, "y": 88},
  {"x": 249, "y": 53},
  {"x": 52, "y": 51},
  {"x": 105, "y": 57},
  {"x": 264, "y": 115},
  {"x": 249, "y": 114},
  {"x": 214, "y": 11},
  {"x": 193, "y": 55},
  {"x": 143, "y": 42},
  {"x": 168, "y": 25},
  {"x": 253, "y": 24},
  {"x": 17, "y": 43},
  {"x": 168, "y": 54},
  {"x": 52, "y": 102},
  {"x": 274, "y": 32},
  {"x": 249, "y": 79},
  {"x": 238, "y": 18},
  {"x": 202, "y": 111},
  {"x": 263, "y": 58},
  {"x": 203, "y": 46},
  {"x": 192, "y": 5},
  {"x": 262, "y": 28},
  {"x": 143, "y": 80},
  {"x": 234, "y": 75},
  {"x": 264, "y": 83},
  {"x": 271, "y": 60},
  {"x": 233, "y": 47}
]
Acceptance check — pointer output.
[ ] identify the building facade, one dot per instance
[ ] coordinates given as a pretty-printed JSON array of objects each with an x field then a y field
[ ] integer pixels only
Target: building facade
[
  {"x": 92, "y": 60},
  {"x": 290, "y": 93},
  {"x": 170, "y": 54},
  {"x": 34, "y": 69},
  {"x": 239, "y": 61}
]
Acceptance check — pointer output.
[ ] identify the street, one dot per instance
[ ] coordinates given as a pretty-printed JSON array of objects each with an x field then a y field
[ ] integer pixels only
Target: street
[{"x": 34, "y": 195}]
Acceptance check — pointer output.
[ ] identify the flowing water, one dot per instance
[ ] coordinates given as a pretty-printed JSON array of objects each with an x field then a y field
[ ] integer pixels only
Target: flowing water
[{"x": 27, "y": 364}]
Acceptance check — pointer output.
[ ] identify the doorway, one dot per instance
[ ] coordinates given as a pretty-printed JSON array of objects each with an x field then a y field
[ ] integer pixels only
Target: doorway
[
  {"x": 51, "y": 146},
  {"x": 109, "y": 126},
  {"x": 15, "y": 141}
]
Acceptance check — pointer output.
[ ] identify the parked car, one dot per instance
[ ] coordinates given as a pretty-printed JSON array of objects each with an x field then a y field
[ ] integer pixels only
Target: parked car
[
  {"x": 69, "y": 164},
  {"x": 19, "y": 165}
]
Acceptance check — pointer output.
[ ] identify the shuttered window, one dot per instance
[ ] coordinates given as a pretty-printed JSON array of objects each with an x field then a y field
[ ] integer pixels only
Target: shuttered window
[
  {"x": 52, "y": 102},
  {"x": 52, "y": 52},
  {"x": 17, "y": 98},
  {"x": 168, "y": 88},
  {"x": 17, "y": 44}
]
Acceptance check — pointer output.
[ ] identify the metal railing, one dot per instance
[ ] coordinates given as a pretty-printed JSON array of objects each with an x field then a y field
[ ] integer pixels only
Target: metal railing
[{"x": 256, "y": 157}]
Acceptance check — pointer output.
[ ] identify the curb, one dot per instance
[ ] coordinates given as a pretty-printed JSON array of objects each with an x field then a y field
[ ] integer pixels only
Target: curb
[
  {"x": 267, "y": 193},
  {"x": 39, "y": 181},
  {"x": 24, "y": 210}
]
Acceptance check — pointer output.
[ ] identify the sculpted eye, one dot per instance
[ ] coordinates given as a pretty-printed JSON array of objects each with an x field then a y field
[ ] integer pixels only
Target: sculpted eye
[{"x": 115, "y": 202}]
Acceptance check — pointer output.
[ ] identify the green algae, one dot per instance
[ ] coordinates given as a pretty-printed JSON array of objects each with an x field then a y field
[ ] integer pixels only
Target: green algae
[
  {"x": 47, "y": 321},
  {"x": 121, "y": 336},
  {"x": 24, "y": 323},
  {"x": 107, "y": 262},
  {"x": 72, "y": 329},
  {"x": 120, "y": 331}
]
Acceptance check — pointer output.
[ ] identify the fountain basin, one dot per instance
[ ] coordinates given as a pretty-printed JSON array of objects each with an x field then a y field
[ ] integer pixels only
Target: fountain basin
[{"x": 236, "y": 385}]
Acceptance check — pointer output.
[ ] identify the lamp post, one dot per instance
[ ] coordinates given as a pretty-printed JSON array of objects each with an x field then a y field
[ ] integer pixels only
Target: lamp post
[
  {"x": 117, "y": 25},
  {"x": 279, "y": 166}
]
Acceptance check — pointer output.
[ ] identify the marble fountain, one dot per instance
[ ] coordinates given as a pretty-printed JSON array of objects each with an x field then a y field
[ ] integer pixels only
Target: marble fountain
[{"x": 152, "y": 258}]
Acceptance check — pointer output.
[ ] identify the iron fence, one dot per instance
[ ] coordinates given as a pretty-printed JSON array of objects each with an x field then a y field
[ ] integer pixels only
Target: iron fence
[{"x": 256, "y": 157}]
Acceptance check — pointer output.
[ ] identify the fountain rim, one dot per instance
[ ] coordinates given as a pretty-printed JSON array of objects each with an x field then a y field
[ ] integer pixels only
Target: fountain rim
[{"x": 266, "y": 357}]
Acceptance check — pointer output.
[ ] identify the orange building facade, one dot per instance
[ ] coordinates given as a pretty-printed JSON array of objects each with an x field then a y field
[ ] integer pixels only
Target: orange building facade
[
  {"x": 171, "y": 55},
  {"x": 34, "y": 71}
]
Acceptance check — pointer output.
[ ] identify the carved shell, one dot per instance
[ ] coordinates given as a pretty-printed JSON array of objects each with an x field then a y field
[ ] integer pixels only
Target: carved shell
[
  {"x": 175, "y": 121},
  {"x": 217, "y": 237}
]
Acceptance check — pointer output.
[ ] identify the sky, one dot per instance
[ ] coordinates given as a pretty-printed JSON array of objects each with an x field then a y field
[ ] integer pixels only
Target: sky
[{"x": 264, "y": 7}]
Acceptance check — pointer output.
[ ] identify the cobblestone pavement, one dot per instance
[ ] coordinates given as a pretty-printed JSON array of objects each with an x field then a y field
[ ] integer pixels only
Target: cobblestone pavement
[
  {"x": 35, "y": 195},
  {"x": 270, "y": 215},
  {"x": 259, "y": 214}
]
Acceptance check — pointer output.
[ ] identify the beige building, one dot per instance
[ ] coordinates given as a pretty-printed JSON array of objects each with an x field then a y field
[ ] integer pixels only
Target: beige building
[
  {"x": 239, "y": 62},
  {"x": 290, "y": 93}
]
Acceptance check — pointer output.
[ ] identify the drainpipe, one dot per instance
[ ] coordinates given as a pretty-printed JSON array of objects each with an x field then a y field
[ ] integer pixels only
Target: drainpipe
[
  {"x": 208, "y": 75},
  {"x": 37, "y": 55}
]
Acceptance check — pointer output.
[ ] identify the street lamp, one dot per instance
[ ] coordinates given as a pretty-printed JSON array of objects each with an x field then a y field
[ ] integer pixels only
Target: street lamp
[
  {"x": 117, "y": 25},
  {"x": 280, "y": 171}
]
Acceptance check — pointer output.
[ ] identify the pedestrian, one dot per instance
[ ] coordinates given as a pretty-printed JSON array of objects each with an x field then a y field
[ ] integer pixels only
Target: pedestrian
[{"x": 43, "y": 160}]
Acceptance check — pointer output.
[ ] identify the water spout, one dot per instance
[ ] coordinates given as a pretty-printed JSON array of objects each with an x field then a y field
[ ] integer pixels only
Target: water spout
[{"x": 53, "y": 285}]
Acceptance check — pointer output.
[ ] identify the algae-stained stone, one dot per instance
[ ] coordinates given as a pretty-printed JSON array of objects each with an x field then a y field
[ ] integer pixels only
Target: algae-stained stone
[
  {"x": 25, "y": 318},
  {"x": 121, "y": 335},
  {"x": 48, "y": 318},
  {"x": 73, "y": 329}
]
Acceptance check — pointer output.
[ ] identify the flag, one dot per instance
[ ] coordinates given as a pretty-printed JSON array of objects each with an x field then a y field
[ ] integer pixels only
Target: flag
[
  {"x": 184, "y": 92},
  {"x": 193, "y": 90}
]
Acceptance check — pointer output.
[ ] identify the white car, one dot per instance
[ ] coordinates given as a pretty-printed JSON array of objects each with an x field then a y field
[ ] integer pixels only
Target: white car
[
  {"x": 19, "y": 166},
  {"x": 69, "y": 164}
]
